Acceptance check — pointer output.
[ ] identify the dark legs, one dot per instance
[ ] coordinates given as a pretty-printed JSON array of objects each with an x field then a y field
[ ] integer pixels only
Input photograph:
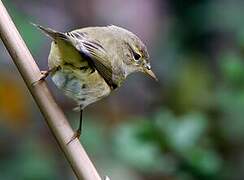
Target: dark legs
[
  {"x": 78, "y": 131},
  {"x": 80, "y": 124}
]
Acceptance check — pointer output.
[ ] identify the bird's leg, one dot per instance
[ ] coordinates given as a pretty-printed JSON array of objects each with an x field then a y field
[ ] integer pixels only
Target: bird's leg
[
  {"x": 78, "y": 131},
  {"x": 44, "y": 75}
]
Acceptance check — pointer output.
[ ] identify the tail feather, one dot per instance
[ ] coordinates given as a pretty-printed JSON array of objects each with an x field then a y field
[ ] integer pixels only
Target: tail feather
[{"x": 50, "y": 32}]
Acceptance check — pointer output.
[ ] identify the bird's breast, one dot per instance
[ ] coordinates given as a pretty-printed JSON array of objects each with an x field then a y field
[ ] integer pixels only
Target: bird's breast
[{"x": 75, "y": 77}]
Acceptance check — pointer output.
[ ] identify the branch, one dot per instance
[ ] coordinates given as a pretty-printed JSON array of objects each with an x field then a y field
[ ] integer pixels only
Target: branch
[{"x": 74, "y": 152}]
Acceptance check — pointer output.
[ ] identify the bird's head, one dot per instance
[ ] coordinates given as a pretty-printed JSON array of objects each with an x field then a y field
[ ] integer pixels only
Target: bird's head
[
  {"x": 135, "y": 52},
  {"x": 139, "y": 57}
]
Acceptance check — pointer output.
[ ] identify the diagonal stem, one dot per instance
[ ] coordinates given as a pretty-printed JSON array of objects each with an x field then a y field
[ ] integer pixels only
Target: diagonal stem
[{"x": 74, "y": 152}]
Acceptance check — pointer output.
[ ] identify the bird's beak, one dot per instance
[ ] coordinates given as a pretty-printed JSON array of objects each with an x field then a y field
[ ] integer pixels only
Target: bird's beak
[{"x": 149, "y": 72}]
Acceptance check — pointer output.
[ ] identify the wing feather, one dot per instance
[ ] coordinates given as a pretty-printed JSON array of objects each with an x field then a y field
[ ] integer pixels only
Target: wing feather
[{"x": 96, "y": 54}]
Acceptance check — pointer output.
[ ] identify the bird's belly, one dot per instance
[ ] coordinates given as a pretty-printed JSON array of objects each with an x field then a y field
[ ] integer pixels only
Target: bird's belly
[{"x": 85, "y": 88}]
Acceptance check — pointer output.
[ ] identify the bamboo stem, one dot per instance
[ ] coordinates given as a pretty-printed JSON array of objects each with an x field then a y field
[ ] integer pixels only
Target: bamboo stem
[{"x": 74, "y": 152}]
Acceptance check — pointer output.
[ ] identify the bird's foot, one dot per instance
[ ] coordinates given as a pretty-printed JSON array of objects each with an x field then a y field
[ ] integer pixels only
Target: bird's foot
[
  {"x": 44, "y": 75},
  {"x": 76, "y": 135}
]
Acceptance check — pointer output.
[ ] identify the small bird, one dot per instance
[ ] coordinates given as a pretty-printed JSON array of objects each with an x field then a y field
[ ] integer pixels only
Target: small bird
[{"x": 88, "y": 63}]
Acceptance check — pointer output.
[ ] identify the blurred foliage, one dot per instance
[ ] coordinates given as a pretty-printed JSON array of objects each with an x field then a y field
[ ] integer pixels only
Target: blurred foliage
[
  {"x": 23, "y": 24},
  {"x": 12, "y": 96},
  {"x": 181, "y": 141},
  {"x": 187, "y": 126}
]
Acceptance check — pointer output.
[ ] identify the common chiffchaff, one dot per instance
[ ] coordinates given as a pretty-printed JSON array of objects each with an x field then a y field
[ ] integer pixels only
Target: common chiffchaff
[{"x": 88, "y": 63}]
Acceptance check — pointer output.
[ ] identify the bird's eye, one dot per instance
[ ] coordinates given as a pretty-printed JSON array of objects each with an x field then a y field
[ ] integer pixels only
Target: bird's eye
[{"x": 136, "y": 56}]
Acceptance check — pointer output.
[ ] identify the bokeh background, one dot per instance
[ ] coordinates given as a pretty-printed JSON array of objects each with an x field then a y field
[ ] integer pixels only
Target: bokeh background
[{"x": 187, "y": 126}]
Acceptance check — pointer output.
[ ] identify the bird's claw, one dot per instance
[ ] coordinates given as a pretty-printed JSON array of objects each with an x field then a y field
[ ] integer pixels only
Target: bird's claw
[
  {"x": 76, "y": 135},
  {"x": 44, "y": 75}
]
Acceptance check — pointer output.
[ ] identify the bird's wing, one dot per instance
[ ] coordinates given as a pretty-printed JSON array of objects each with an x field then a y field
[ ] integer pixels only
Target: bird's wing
[
  {"x": 94, "y": 52},
  {"x": 90, "y": 49}
]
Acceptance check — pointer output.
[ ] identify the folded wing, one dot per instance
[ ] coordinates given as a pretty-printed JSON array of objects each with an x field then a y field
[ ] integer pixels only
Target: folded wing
[{"x": 90, "y": 49}]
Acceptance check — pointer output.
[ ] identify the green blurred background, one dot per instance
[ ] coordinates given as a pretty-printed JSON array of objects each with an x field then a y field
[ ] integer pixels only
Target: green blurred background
[{"x": 189, "y": 125}]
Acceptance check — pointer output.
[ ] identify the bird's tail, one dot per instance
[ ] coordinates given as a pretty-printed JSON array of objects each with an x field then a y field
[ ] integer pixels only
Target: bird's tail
[{"x": 50, "y": 32}]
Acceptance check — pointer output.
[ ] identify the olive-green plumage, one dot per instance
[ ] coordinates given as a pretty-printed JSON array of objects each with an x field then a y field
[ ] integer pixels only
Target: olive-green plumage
[{"x": 89, "y": 63}]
